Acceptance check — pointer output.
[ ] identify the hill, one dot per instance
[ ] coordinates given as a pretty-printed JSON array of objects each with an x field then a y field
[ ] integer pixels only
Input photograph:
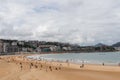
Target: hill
[{"x": 116, "y": 44}]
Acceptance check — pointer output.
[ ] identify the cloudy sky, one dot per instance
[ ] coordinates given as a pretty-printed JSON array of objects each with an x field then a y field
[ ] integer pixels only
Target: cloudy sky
[{"x": 84, "y": 22}]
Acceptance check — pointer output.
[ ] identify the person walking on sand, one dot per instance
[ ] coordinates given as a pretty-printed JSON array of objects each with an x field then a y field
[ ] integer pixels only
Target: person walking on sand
[
  {"x": 103, "y": 64},
  {"x": 67, "y": 61},
  {"x": 41, "y": 66},
  {"x": 21, "y": 66},
  {"x": 60, "y": 66},
  {"x": 82, "y": 66},
  {"x": 46, "y": 68},
  {"x": 30, "y": 66},
  {"x": 118, "y": 64},
  {"x": 36, "y": 66},
  {"x": 50, "y": 67}
]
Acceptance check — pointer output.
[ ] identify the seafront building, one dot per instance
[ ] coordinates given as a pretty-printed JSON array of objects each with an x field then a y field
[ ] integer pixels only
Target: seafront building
[{"x": 8, "y": 46}]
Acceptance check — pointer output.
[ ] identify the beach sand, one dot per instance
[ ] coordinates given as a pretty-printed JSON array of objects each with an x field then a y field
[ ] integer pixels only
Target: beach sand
[{"x": 10, "y": 69}]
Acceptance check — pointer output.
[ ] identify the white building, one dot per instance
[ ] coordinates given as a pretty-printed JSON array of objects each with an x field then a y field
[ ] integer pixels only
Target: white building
[
  {"x": 14, "y": 43},
  {"x": 117, "y": 48},
  {"x": 21, "y": 42},
  {"x": 53, "y": 48},
  {"x": 38, "y": 49}
]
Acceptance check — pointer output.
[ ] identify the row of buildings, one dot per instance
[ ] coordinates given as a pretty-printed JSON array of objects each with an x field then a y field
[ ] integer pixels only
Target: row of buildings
[{"x": 12, "y": 46}]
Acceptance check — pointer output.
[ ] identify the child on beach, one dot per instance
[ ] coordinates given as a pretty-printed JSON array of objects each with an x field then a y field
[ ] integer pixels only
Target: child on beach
[
  {"x": 82, "y": 66},
  {"x": 41, "y": 66},
  {"x": 103, "y": 64},
  {"x": 21, "y": 66},
  {"x": 36, "y": 66},
  {"x": 60, "y": 66},
  {"x": 50, "y": 68},
  {"x": 67, "y": 61},
  {"x": 31, "y": 64}
]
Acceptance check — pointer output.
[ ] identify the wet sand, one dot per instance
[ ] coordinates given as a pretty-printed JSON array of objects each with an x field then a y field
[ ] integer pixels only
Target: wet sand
[{"x": 10, "y": 69}]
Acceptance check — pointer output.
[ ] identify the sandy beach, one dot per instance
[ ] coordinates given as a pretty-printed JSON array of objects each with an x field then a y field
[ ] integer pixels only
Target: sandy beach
[{"x": 20, "y": 68}]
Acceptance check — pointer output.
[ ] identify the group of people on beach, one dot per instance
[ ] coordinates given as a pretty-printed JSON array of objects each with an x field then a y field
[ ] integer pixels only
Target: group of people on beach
[
  {"x": 47, "y": 67},
  {"x": 23, "y": 62}
]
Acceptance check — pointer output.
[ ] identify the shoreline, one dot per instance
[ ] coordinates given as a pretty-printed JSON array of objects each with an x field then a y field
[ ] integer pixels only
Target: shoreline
[
  {"x": 73, "y": 61},
  {"x": 78, "y": 63},
  {"x": 61, "y": 52}
]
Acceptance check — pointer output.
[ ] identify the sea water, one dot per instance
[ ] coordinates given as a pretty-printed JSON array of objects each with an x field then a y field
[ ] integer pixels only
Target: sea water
[{"x": 108, "y": 58}]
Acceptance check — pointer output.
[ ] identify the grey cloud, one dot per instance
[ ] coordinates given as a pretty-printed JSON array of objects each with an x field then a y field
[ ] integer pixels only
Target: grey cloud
[{"x": 85, "y": 22}]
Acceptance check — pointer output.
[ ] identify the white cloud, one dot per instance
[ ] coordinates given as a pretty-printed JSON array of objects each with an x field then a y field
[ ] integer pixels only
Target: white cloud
[{"x": 77, "y": 21}]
